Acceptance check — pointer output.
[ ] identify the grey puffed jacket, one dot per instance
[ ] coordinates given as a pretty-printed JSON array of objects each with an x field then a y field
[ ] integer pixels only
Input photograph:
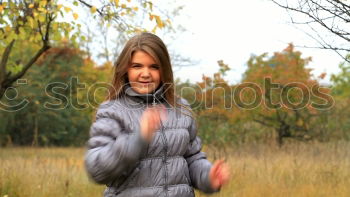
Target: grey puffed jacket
[{"x": 170, "y": 165}]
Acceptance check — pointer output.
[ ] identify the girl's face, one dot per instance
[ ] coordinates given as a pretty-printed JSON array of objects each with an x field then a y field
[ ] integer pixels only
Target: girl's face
[{"x": 143, "y": 73}]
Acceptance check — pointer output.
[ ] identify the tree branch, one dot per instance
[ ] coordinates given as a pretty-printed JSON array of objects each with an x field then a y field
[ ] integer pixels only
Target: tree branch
[
  {"x": 332, "y": 15},
  {"x": 4, "y": 60},
  {"x": 44, "y": 48},
  {"x": 90, "y": 6},
  {"x": 12, "y": 79},
  {"x": 123, "y": 25}
]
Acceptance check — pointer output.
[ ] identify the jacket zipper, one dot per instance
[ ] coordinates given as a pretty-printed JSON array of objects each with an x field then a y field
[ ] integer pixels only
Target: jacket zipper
[
  {"x": 165, "y": 150},
  {"x": 165, "y": 157}
]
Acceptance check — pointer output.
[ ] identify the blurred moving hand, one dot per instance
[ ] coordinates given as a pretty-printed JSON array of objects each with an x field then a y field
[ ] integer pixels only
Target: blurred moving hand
[
  {"x": 151, "y": 120},
  {"x": 219, "y": 174}
]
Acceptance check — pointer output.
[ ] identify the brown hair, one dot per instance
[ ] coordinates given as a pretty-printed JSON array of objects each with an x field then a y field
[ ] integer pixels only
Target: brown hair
[{"x": 154, "y": 46}]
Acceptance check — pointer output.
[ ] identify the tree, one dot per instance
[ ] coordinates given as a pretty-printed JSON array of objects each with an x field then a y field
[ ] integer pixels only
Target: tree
[
  {"x": 60, "y": 100},
  {"x": 285, "y": 96},
  {"x": 330, "y": 16},
  {"x": 341, "y": 92},
  {"x": 278, "y": 93},
  {"x": 341, "y": 81},
  {"x": 211, "y": 101},
  {"x": 37, "y": 23}
]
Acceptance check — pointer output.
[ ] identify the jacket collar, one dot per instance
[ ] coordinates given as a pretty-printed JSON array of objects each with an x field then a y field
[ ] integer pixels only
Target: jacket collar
[{"x": 154, "y": 98}]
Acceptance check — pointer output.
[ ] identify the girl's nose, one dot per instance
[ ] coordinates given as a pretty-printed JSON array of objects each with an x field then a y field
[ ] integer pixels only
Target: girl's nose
[{"x": 145, "y": 73}]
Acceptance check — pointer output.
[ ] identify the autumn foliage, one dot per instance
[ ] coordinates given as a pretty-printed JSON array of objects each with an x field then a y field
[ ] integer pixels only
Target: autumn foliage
[{"x": 277, "y": 95}]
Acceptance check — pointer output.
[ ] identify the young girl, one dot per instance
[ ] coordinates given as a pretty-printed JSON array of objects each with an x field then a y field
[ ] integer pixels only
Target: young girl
[{"x": 143, "y": 142}]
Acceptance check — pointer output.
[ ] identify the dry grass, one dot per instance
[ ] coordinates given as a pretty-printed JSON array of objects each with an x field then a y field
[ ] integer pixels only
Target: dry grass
[
  {"x": 44, "y": 172},
  {"x": 258, "y": 170}
]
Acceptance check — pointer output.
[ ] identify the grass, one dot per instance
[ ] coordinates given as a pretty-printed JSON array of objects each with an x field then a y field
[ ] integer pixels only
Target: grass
[
  {"x": 257, "y": 170},
  {"x": 44, "y": 172}
]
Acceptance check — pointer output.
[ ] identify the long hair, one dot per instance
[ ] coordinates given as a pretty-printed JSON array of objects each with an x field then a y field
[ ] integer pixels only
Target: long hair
[{"x": 154, "y": 46}]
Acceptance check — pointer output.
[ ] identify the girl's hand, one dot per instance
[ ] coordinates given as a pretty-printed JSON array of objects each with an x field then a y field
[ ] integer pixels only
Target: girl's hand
[
  {"x": 219, "y": 174},
  {"x": 150, "y": 121}
]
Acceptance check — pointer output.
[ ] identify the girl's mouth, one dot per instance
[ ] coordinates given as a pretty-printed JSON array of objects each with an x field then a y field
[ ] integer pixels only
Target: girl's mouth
[{"x": 145, "y": 82}]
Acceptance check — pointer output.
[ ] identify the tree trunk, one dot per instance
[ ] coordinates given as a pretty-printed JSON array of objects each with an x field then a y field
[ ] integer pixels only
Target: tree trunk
[
  {"x": 9, "y": 141},
  {"x": 2, "y": 92},
  {"x": 35, "y": 137},
  {"x": 282, "y": 132}
]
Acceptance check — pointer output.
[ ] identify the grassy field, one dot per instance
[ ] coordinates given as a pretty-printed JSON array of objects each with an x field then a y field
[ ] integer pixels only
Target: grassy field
[{"x": 257, "y": 170}]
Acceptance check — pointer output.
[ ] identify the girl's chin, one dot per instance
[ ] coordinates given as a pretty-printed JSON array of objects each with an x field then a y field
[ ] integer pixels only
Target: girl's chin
[{"x": 143, "y": 90}]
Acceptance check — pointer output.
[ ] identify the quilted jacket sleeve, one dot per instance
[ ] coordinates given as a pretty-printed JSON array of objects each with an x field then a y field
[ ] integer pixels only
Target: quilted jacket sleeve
[
  {"x": 198, "y": 164},
  {"x": 111, "y": 152}
]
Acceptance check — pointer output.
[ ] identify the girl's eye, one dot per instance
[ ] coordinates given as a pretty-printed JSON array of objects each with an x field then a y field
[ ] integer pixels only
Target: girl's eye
[
  {"x": 136, "y": 66},
  {"x": 156, "y": 67}
]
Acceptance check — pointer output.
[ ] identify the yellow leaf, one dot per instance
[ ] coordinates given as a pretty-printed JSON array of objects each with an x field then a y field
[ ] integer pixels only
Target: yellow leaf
[
  {"x": 154, "y": 29},
  {"x": 116, "y": 2},
  {"x": 31, "y": 22},
  {"x": 41, "y": 9},
  {"x": 59, "y": 6},
  {"x": 93, "y": 9},
  {"x": 1, "y": 8},
  {"x": 42, "y": 3},
  {"x": 123, "y": 6},
  {"x": 159, "y": 22},
  {"x": 55, "y": 26},
  {"x": 7, "y": 28},
  {"x": 136, "y": 8},
  {"x": 150, "y": 16},
  {"x": 75, "y": 15},
  {"x": 128, "y": 0},
  {"x": 67, "y": 9},
  {"x": 31, "y": 5}
]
